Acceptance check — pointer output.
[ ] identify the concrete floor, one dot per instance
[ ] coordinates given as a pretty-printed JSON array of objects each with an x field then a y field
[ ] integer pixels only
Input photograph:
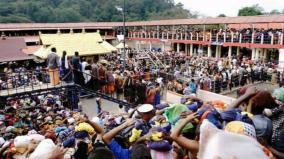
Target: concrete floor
[{"x": 89, "y": 106}]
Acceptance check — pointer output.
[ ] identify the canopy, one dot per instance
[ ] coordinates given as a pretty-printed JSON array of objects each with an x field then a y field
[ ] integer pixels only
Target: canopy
[
  {"x": 42, "y": 52},
  {"x": 86, "y": 44},
  {"x": 108, "y": 46},
  {"x": 120, "y": 46}
]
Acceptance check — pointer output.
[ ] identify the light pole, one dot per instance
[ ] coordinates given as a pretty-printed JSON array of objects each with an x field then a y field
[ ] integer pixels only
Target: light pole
[{"x": 124, "y": 32}]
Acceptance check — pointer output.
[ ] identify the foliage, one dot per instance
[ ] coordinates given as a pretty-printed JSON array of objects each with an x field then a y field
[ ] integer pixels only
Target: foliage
[
  {"x": 251, "y": 11},
  {"x": 274, "y": 11},
  {"x": 222, "y": 15},
  {"x": 12, "y": 11}
]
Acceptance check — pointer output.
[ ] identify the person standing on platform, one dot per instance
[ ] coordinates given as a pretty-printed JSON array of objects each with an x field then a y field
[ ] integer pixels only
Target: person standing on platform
[
  {"x": 76, "y": 69},
  {"x": 64, "y": 65},
  {"x": 95, "y": 74},
  {"x": 141, "y": 91},
  {"x": 157, "y": 97},
  {"x": 53, "y": 65}
]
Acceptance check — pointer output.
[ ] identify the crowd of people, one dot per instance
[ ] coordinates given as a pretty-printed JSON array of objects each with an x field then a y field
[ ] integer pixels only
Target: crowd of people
[
  {"x": 216, "y": 74},
  {"x": 44, "y": 126},
  {"x": 244, "y": 35},
  {"x": 47, "y": 126},
  {"x": 177, "y": 73}
]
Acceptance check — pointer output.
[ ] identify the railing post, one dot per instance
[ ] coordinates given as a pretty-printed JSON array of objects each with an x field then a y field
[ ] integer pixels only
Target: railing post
[
  {"x": 232, "y": 37},
  {"x": 281, "y": 38},
  {"x": 272, "y": 36},
  {"x": 217, "y": 37},
  {"x": 197, "y": 37},
  {"x": 167, "y": 35},
  {"x": 252, "y": 38},
  {"x": 16, "y": 85},
  {"x": 191, "y": 36},
  {"x": 241, "y": 36},
  {"x": 262, "y": 38}
]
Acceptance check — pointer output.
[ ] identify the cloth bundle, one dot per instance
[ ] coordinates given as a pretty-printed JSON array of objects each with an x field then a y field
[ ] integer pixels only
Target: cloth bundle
[
  {"x": 85, "y": 127},
  {"x": 216, "y": 143}
]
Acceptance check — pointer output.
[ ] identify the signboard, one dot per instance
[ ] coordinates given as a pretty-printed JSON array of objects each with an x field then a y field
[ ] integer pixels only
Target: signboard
[{"x": 120, "y": 38}]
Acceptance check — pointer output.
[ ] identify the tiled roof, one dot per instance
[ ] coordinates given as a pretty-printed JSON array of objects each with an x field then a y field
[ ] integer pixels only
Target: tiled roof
[
  {"x": 110, "y": 25},
  {"x": 31, "y": 49},
  {"x": 11, "y": 50}
]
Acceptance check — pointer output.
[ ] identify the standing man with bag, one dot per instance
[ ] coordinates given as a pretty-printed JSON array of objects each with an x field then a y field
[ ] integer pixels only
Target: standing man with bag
[{"x": 53, "y": 65}]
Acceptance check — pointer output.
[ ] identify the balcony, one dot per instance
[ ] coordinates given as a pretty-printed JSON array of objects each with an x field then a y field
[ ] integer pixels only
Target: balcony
[{"x": 251, "y": 40}]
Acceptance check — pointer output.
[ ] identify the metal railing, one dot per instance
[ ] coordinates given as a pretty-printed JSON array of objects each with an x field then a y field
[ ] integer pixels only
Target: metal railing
[
  {"x": 21, "y": 85},
  {"x": 257, "y": 38}
]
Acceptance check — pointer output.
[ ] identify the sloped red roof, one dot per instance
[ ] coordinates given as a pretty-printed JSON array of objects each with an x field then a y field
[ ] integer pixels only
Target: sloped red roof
[
  {"x": 110, "y": 25},
  {"x": 11, "y": 50},
  {"x": 30, "y": 50}
]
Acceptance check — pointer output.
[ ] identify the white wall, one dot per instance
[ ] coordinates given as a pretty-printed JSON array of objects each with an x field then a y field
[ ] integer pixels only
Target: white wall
[
  {"x": 173, "y": 97},
  {"x": 281, "y": 60}
]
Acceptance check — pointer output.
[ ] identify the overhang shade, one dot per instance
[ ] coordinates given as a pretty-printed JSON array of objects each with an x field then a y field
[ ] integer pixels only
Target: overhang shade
[
  {"x": 108, "y": 46},
  {"x": 87, "y": 44},
  {"x": 42, "y": 52},
  {"x": 120, "y": 46},
  {"x": 11, "y": 49}
]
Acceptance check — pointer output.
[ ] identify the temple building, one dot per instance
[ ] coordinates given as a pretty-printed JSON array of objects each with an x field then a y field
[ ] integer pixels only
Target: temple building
[{"x": 256, "y": 37}]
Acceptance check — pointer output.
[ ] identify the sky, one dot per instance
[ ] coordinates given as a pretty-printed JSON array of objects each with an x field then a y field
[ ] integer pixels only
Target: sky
[{"x": 228, "y": 7}]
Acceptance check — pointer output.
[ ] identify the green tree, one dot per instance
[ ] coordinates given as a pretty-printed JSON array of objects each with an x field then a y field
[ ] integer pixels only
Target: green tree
[
  {"x": 5, "y": 9},
  {"x": 67, "y": 15},
  {"x": 251, "y": 11},
  {"x": 274, "y": 11},
  {"x": 221, "y": 15},
  {"x": 89, "y": 10},
  {"x": 16, "y": 18}
]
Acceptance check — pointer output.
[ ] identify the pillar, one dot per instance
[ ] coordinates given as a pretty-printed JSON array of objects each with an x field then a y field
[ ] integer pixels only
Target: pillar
[
  {"x": 257, "y": 52},
  {"x": 199, "y": 50},
  {"x": 230, "y": 52},
  {"x": 150, "y": 45},
  {"x": 253, "y": 54},
  {"x": 209, "y": 53},
  {"x": 137, "y": 45},
  {"x": 178, "y": 47},
  {"x": 194, "y": 52},
  {"x": 220, "y": 51},
  {"x": 186, "y": 49},
  {"x": 217, "y": 51},
  {"x": 163, "y": 46},
  {"x": 265, "y": 54},
  {"x": 191, "y": 50},
  {"x": 238, "y": 51},
  {"x": 281, "y": 60}
]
